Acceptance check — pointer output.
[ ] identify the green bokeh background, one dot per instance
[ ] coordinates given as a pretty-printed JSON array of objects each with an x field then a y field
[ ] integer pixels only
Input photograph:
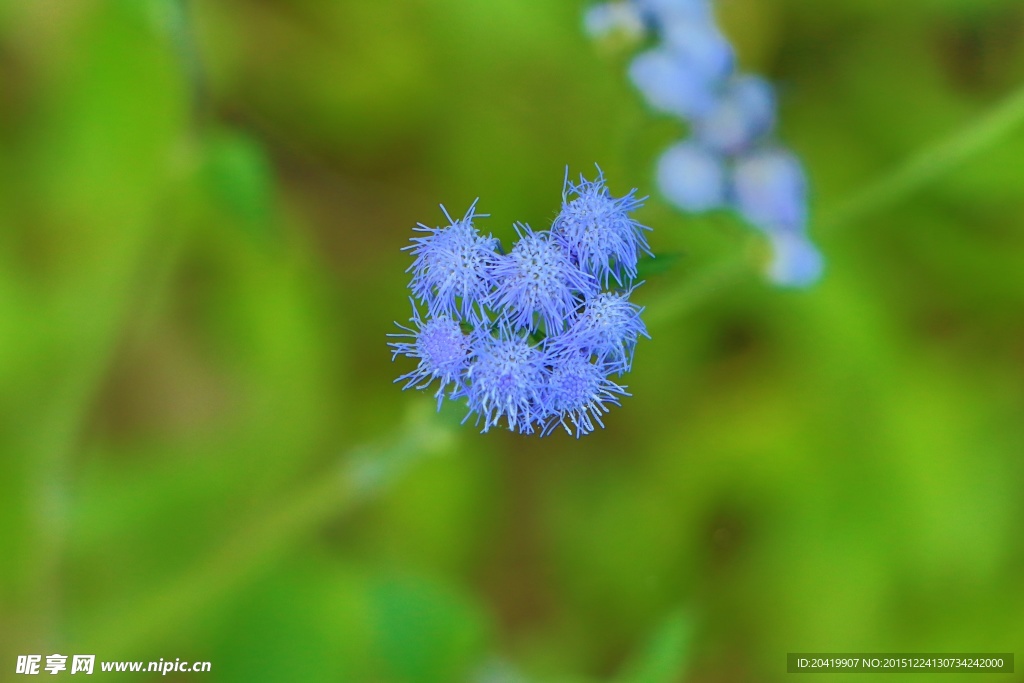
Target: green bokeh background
[{"x": 203, "y": 456}]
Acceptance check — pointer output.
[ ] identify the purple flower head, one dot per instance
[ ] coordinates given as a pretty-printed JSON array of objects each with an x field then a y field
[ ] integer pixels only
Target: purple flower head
[
  {"x": 538, "y": 277},
  {"x": 796, "y": 262},
  {"x": 692, "y": 177},
  {"x": 528, "y": 339},
  {"x": 578, "y": 393},
  {"x": 452, "y": 270},
  {"x": 442, "y": 349},
  {"x": 745, "y": 113},
  {"x": 598, "y": 231},
  {"x": 505, "y": 380},
  {"x": 608, "y": 328},
  {"x": 770, "y": 190},
  {"x": 670, "y": 84}
]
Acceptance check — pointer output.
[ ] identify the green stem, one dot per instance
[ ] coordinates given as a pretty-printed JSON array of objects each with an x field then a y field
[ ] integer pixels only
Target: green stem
[
  {"x": 689, "y": 294},
  {"x": 183, "y": 35},
  {"x": 144, "y": 270},
  {"x": 930, "y": 164},
  {"x": 147, "y": 621},
  {"x": 56, "y": 435}
]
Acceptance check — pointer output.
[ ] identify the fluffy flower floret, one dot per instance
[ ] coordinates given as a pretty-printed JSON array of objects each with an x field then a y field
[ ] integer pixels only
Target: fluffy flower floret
[
  {"x": 578, "y": 392},
  {"x": 440, "y": 346},
  {"x": 538, "y": 277},
  {"x": 452, "y": 270},
  {"x": 607, "y": 327},
  {"x": 505, "y": 380},
  {"x": 598, "y": 232}
]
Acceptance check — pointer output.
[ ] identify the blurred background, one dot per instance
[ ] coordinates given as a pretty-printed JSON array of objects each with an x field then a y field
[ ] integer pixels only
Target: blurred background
[{"x": 203, "y": 455}]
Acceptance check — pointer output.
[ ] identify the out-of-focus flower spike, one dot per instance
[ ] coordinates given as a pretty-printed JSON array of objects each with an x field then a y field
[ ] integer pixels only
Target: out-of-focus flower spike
[
  {"x": 730, "y": 158},
  {"x": 663, "y": 11},
  {"x": 770, "y": 190}
]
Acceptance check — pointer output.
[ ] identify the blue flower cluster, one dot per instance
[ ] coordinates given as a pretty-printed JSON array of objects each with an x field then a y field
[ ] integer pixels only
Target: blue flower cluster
[
  {"x": 731, "y": 158},
  {"x": 530, "y": 338}
]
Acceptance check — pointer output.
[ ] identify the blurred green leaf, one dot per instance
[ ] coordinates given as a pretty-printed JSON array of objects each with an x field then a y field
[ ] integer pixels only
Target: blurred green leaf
[
  {"x": 307, "y": 624},
  {"x": 427, "y": 634},
  {"x": 666, "y": 656},
  {"x": 240, "y": 179}
]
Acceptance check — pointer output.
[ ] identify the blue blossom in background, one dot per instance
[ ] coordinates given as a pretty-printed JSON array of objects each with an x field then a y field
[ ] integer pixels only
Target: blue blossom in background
[
  {"x": 693, "y": 177},
  {"x": 796, "y": 262},
  {"x": 668, "y": 86},
  {"x": 664, "y": 11},
  {"x": 742, "y": 116},
  {"x": 614, "y": 17},
  {"x": 770, "y": 191},
  {"x": 731, "y": 156},
  {"x": 529, "y": 339},
  {"x": 698, "y": 45}
]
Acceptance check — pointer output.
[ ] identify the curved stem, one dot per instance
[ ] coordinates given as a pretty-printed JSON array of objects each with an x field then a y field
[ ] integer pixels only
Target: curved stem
[
  {"x": 143, "y": 623},
  {"x": 930, "y": 164},
  {"x": 183, "y": 35},
  {"x": 693, "y": 292}
]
